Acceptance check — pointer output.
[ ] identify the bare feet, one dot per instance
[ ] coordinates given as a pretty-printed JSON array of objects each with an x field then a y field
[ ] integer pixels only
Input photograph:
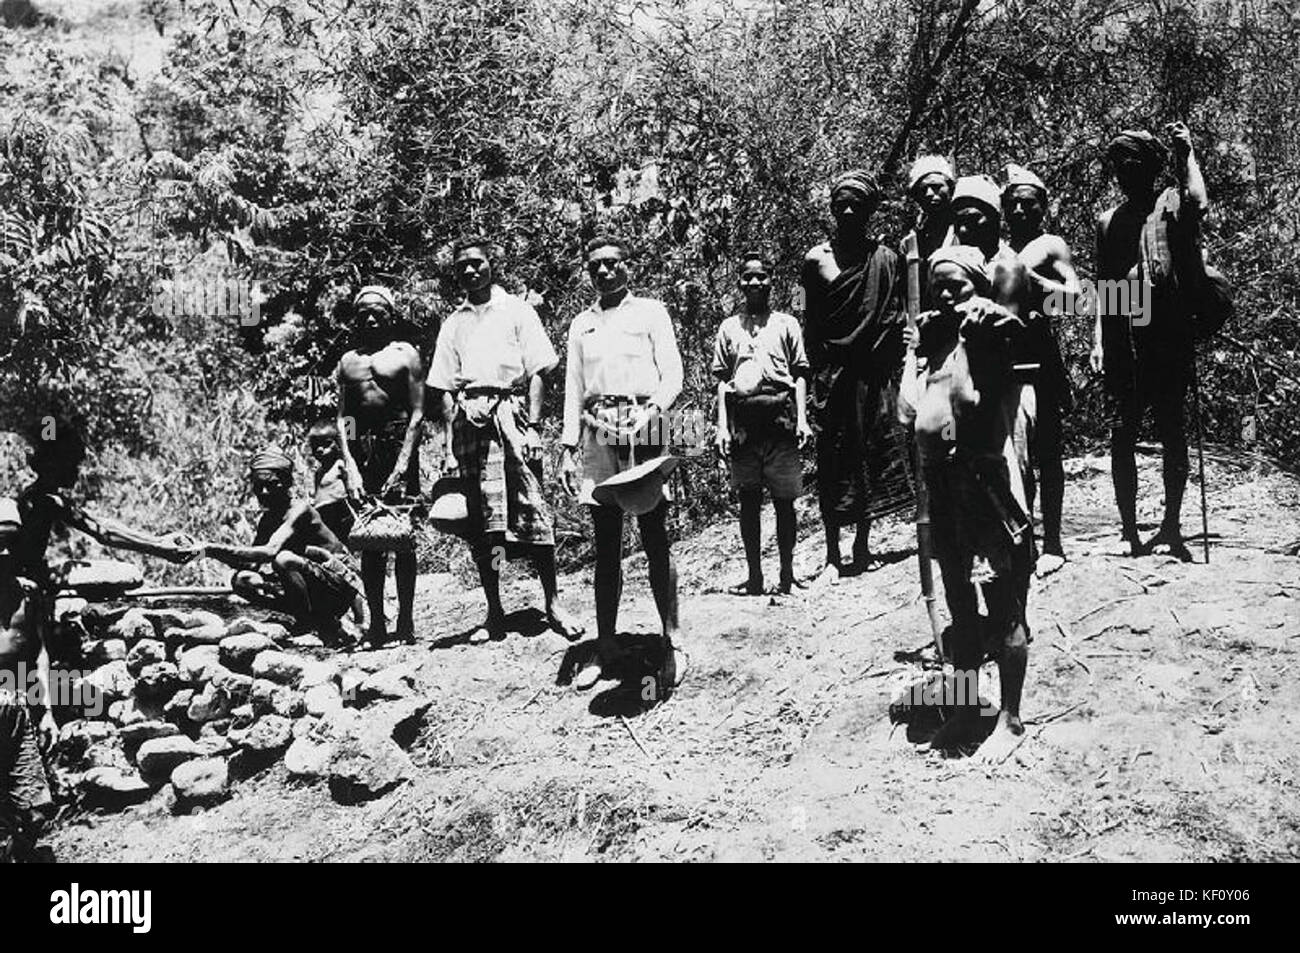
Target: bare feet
[
  {"x": 1135, "y": 546},
  {"x": 406, "y": 631},
  {"x": 377, "y": 633},
  {"x": 959, "y": 734},
  {"x": 753, "y": 586},
  {"x": 490, "y": 628},
  {"x": 1169, "y": 542},
  {"x": 1047, "y": 564},
  {"x": 1005, "y": 739},
  {"x": 564, "y": 624},
  {"x": 787, "y": 583}
]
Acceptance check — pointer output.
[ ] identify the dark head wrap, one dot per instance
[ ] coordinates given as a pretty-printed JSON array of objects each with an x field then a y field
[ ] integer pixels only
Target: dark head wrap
[
  {"x": 272, "y": 460},
  {"x": 858, "y": 181},
  {"x": 1139, "y": 145},
  {"x": 969, "y": 259}
]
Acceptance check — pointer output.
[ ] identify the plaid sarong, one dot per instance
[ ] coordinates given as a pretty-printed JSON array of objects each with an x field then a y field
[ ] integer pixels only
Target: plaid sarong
[
  {"x": 24, "y": 785},
  {"x": 488, "y": 442}
]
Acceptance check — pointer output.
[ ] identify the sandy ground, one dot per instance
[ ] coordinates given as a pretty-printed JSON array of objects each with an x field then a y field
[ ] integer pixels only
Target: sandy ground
[{"x": 1161, "y": 723}]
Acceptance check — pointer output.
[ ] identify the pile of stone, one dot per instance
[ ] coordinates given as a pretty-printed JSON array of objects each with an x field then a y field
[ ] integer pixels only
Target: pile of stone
[{"x": 189, "y": 704}]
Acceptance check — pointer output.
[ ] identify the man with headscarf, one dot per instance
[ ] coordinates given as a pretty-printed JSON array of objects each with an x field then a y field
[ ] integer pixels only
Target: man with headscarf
[
  {"x": 930, "y": 183},
  {"x": 1147, "y": 354},
  {"x": 1051, "y": 273},
  {"x": 853, "y": 332},
  {"x": 960, "y": 394},
  {"x": 491, "y": 355},
  {"x": 311, "y": 576},
  {"x": 380, "y": 415}
]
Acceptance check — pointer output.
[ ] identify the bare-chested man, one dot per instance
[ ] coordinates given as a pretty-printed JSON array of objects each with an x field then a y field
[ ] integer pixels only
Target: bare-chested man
[
  {"x": 960, "y": 391},
  {"x": 380, "y": 414},
  {"x": 26, "y": 722},
  {"x": 1149, "y": 363},
  {"x": 312, "y": 580},
  {"x": 57, "y": 454},
  {"x": 1047, "y": 259},
  {"x": 853, "y": 330}
]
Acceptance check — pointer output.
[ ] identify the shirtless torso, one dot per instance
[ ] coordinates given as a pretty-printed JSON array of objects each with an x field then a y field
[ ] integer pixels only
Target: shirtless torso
[{"x": 375, "y": 387}]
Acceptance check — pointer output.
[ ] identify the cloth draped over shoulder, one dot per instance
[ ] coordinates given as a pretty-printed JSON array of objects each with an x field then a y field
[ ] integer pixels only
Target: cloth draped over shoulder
[{"x": 854, "y": 336}]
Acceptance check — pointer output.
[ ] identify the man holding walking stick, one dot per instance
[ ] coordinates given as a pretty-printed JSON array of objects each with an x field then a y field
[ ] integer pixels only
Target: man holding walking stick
[{"x": 1152, "y": 241}]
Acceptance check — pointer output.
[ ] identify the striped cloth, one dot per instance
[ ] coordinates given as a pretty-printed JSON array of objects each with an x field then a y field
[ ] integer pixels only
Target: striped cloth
[{"x": 488, "y": 442}]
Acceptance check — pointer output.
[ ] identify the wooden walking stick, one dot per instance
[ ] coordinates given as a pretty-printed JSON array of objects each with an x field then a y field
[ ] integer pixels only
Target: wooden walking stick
[
  {"x": 924, "y": 540},
  {"x": 1200, "y": 454}
]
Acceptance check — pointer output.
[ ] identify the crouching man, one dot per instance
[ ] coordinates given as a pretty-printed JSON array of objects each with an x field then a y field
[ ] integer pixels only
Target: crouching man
[
  {"x": 25, "y": 722},
  {"x": 960, "y": 391},
  {"x": 309, "y": 577}
]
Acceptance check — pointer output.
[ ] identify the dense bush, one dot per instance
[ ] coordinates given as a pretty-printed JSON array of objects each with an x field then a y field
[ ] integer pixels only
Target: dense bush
[{"x": 315, "y": 145}]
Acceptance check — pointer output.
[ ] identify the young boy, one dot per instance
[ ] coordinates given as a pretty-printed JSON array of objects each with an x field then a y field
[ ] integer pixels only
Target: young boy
[
  {"x": 331, "y": 499},
  {"x": 761, "y": 367},
  {"x": 26, "y": 722},
  {"x": 960, "y": 391}
]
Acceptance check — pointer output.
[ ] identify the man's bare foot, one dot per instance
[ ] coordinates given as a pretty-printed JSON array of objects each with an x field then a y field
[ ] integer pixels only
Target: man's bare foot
[
  {"x": 753, "y": 586},
  {"x": 406, "y": 631},
  {"x": 1005, "y": 739},
  {"x": 959, "y": 734},
  {"x": 1047, "y": 564},
  {"x": 1169, "y": 542},
  {"x": 786, "y": 585},
  {"x": 564, "y": 624},
  {"x": 1135, "y": 546},
  {"x": 490, "y": 629},
  {"x": 377, "y": 633}
]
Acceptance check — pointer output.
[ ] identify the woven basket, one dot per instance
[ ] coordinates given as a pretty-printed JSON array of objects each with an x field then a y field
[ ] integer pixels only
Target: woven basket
[{"x": 383, "y": 529}]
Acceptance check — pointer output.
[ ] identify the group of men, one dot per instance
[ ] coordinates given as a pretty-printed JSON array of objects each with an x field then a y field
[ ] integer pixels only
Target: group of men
[{"x": 950, "y": 334}]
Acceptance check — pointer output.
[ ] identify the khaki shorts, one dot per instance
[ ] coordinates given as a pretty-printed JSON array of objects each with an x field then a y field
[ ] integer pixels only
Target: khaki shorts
[
  {"x": 600, "y": 461},
  {"x": 772, "y": 462}
]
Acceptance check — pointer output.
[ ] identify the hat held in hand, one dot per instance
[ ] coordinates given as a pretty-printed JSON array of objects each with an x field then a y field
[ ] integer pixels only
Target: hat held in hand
[{"x": 638, "y": 489}]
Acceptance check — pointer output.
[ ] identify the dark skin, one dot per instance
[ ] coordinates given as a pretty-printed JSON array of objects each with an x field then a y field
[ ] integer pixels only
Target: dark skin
[
  {"x": 933, "y": 194},
  {"x": 975, "y": 380},
  {"x": 1050, "y": 267},
  {"x": 379, "y": 381},
  {"x": 823, "y": 264},
  {"x": 300, "y": 535},
  {"x": 22, "y": 634},
  {"x": 1138, "y": 183},
  {"x": 756, "y": 286},
  {"x": 474, "y": 273},
  {"x": 608, "y": 271}
]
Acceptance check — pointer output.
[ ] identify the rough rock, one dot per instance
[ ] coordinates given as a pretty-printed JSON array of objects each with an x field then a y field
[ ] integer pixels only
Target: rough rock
[
  {"x": 305, "y": 642},
  {"x": 308, "y": 759},
  {"x": 176, "y": 710},
  {"x": 158, "y": 682},
  {"x": 145, "y": 652},
  {"x": 209, "y": 704},
  {"x": 399, "y": 720},
  {"x": 134, "y": 735},
  {"x": 322, "y": 698},
  {"x": 109, "y": 650},
  {"x": 350, "y": 685},
  {"x": 236, "y": 685},
  {"x": 318, "y": 673},
  {"x": 202, "y": 635},
  {"x": 239, "y": 650},
  {"x": 268, "y": 735},
  {"x": 361, "y": 769},
  {"x": 132, "y": 627},
  {"x": 389, "y": 684},
  {"x": 193, "y": 663},
  {"x": 76, "y": 738},
  {"x": 201, "y": 782},
  {"x": 110, "y": 683},
  {"x": 158, "y": 757},
  {"x": 280, "y": 667},
  {"x": 113, "y": 788}
]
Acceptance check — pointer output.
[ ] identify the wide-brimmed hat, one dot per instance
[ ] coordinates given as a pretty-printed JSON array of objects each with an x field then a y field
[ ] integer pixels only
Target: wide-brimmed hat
[{"x": 638, "y": 489}]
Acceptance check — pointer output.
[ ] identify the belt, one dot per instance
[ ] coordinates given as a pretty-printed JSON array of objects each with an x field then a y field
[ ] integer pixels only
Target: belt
[{"x": 604, "y": 401}]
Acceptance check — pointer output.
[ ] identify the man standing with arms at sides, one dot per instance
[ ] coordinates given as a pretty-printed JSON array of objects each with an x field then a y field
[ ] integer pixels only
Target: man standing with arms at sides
[
  {"x": 492, "y": 352},
  {"x": 1148, "y": 360},
  {"x": 623, "y": 373},
  {"x": 853, "y": 330},
  {"x": 929, "y": 185},
  {"x": 380, "y": 411},
  {"x": 1050, "y": 270},
  {"x": 759, "y": 361}
]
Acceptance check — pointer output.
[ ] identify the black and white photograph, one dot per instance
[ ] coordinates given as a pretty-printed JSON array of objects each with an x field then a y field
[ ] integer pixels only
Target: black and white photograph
[{"x": 650, "y": 431}]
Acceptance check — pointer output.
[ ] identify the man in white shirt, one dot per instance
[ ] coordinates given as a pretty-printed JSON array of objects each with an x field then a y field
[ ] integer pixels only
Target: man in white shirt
[
  {"x": 624, "y": 372},
  {"x": 491, "y": 351}
]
